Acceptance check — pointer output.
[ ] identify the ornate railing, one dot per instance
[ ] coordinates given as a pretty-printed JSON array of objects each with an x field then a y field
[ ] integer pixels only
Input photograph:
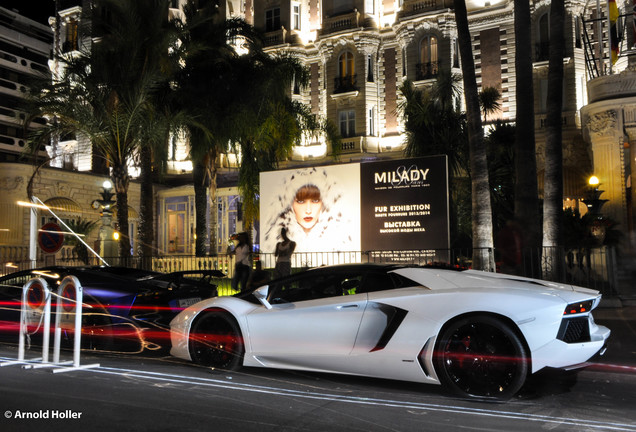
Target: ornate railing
[
  {"x": 414, "y": 7},
  {"x": 342, "y": 22},
  {"x": 345, "y": 84},
  {"x": 425, "y": 71}
]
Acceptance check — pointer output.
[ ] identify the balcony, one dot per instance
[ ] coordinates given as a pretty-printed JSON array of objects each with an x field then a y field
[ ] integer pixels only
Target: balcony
[
  {"x": 345, "y": 84},
  {"x": 276, "y": 37},
  {"x": 341, "y": 22},
  {"x": 424, "y": 71},
  {"x": 350, "y": 145},
  {"x": 416, "y": 7},
  {"x": 617, "y": 86}
]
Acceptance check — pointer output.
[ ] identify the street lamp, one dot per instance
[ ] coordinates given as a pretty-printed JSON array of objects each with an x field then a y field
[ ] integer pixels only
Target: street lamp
[
  {"x": 593, "y": 201},
  {"x": 594, "y": 204},
  {"x": 107, "y": 243}
]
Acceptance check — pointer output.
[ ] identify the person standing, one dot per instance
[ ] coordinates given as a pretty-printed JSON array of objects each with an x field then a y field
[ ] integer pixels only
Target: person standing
[
  {"x": 283, "y": 253},
  {"x": 242, "y": 266}
]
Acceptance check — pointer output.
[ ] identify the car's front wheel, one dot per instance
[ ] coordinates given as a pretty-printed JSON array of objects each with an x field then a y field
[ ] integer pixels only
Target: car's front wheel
[
  {"x": 481, "y": 356},
  {"x": 216, "y": 341}
]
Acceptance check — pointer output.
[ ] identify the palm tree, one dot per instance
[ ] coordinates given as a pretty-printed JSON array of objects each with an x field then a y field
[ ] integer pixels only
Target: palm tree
[
  {"x": 482, "y": 214},
  {"x": 553, "y": 177},
  {"x": 106, "y": 92},
  {"x": 158, "y": 52},
  {"x": 433, "y": 125},
  {"x": 271, "y": 123},
  {"x": 205, "y": 89},
  {"x": 81, "y": 227},
  {"x": 489, "y": 101},
  {"x": 500, "y": 142},
  {"x": 526, "y": 196}
]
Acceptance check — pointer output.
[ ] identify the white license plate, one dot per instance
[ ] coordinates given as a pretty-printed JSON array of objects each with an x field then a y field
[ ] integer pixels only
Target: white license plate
[{"x": 189, "y": 301}]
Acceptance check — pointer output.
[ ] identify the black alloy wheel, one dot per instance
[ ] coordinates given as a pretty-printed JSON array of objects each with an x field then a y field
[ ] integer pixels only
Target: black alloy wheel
[
  {"x": 216, "y": 341},
  {"x": 482, "y": 357}
]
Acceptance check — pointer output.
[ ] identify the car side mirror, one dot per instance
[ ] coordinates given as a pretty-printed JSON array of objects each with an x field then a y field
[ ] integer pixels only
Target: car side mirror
[{"x": 261, "y": 295}]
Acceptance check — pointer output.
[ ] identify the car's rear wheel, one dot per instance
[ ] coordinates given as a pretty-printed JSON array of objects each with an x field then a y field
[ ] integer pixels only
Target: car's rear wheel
[
  {"x": 216, "y": 341},
  {"x": 481, "y": 356}
]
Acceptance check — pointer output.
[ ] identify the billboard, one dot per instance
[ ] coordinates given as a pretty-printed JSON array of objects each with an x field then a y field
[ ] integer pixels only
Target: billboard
[{"x": 386, "y": 208}]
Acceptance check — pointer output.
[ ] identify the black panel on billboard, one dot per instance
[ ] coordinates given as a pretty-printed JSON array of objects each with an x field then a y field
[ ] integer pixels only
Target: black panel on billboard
[{"x": 404, "y": 204}]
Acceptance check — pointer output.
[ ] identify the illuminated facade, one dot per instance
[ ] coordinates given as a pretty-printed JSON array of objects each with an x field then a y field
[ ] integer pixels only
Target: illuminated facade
[{"x": 358, "y": 53}]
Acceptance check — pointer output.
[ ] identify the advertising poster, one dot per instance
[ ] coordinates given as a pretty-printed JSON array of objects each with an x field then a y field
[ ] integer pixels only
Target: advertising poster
[
  {"x": 404, "y": 206},
  {"x": 319, "y": 207},
  {"x": 391, "y": 209}
]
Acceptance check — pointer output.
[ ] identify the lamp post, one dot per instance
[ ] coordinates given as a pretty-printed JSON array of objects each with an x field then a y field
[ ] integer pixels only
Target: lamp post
[
  {"x": 594, "y": 204},
  {"x": 107, "y": 241},
  {"x": 593, "y": 201}
]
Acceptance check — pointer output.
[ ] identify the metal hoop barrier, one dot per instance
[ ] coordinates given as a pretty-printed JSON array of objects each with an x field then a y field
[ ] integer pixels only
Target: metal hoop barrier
[
  {"x": 68, "y": 316},
  {"x": 35, "y": 312}
]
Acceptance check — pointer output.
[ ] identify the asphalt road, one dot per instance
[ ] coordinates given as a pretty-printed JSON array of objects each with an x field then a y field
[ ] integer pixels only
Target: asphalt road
[{"x": 160, "y": 393}]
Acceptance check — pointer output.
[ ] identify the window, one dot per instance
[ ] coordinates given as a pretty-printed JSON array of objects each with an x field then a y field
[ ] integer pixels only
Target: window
[
  {"x": 369, "y": 68},
  {"x": 346, "y": 65},
  {"x": 342, "y": 6},
  {"x": 543, "y": 38},
  {"x": 346, "y": 79},
  {"x": 295, "y": 16},
  {"x": 272, "y": 19},
  {"x": 347, "y": 119},
  {"x": 369, "y": 7},
  {"x": 455, "y": 54},
  {"x": 429, "y": 64},
  {"x": 403, "y": 61},
  {"x": 71, "y": 44},
  {"x": 372, "y": 121},
  {"x": 295, "y": 86},
  {"x": 313, "y": 286}
]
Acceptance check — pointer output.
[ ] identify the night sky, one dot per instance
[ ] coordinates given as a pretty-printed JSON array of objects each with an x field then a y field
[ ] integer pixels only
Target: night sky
[{"x": 37, "y": 10}]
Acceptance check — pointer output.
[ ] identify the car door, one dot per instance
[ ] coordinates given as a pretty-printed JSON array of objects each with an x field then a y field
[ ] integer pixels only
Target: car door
[{"x": 314, "y": 319}]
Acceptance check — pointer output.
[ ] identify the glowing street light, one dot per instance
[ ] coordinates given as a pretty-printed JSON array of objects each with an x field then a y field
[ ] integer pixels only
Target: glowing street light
[{"x": 107, "y": 239}]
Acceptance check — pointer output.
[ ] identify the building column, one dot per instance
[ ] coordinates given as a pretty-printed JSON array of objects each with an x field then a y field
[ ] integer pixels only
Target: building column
[{"x": 605, "y": 132}]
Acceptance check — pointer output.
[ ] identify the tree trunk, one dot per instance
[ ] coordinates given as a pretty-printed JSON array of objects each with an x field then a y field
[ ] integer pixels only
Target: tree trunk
[
  {"x": 526, "y": 210},
  {"x": 214, "y": 212},
  {"x": 553, "y": 177},
  {"x": 145, "y": 230},
  {"x": 200, "y": 207},
  {"x": 483, "y": 258},
  {"x": 121, "y": 181}
]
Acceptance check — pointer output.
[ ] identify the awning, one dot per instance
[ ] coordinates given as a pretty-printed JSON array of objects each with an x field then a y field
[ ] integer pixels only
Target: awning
[{"x": 63, "y": 205}]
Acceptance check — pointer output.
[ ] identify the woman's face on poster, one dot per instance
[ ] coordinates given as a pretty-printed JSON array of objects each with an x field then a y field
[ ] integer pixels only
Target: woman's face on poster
[{"x": 307, "y": 207}]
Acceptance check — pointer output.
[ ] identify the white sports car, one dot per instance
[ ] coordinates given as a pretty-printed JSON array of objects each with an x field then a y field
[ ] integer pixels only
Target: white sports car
[{"x": 480, "y": 334}]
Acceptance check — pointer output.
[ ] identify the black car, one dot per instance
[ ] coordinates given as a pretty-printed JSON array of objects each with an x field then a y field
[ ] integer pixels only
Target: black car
[{"x": 125, "y": 308}]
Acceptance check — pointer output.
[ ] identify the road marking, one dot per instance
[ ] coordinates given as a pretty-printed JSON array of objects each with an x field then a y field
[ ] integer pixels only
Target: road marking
[
  {"x": 490, "y": 412},
  {"x": 167, "y": 379}
]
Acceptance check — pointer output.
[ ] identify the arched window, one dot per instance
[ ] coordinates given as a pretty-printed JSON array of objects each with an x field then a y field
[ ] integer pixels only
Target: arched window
[
  {"x": 429, "y": 60},
  {"x": 72, "y": 36},
  {"x": 543, "y": 37},
  {"x": 346, "y": 79},
  {"x": 346, "y": 65}
]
